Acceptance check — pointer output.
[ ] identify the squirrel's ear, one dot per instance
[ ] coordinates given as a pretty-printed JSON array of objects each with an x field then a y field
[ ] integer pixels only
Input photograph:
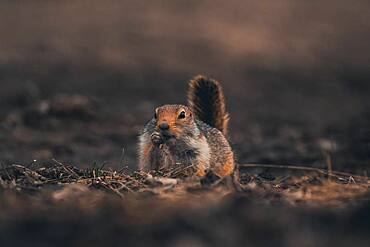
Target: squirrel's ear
[{"x": 156, "y": 113}]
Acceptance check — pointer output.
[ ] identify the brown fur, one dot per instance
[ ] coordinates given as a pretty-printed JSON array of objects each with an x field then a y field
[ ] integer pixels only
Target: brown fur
[
  {"x": 195, "y": 141},
  {"x": 227, "y": 168},
  {"x": 169, "y": 114}
]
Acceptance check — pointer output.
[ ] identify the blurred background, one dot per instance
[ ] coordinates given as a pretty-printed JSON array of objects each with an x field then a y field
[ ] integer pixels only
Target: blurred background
[{"x": 79, "y": 79}]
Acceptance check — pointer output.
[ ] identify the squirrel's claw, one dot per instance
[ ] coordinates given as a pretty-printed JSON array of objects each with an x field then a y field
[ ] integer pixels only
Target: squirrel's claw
[{"x": 156, "y": 138}]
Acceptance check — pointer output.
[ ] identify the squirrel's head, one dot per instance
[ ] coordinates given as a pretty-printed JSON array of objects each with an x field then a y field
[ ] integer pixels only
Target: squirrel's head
[{"x": 173, "y": 120}]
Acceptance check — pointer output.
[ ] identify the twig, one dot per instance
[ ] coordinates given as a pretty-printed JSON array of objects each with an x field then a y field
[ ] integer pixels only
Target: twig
[
  {"x": 304, "y": 168},
  {"x": 27, "y": 171},
  {"x": 123, "y": 186},
  {"x": 6, "y": 171},
  {"x": 177, "y": 170},
  {"x": 67, "y": 169},
  {"x": 329, "y": 164},
  {"x": 122, "y": 157}
]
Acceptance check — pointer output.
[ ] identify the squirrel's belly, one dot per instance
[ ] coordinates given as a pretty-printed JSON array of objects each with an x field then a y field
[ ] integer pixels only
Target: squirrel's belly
[{"x": 185, "y": 162}]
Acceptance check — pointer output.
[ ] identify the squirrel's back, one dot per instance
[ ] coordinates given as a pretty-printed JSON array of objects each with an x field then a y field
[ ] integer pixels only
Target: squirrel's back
[{"x": 190, "y": 136}]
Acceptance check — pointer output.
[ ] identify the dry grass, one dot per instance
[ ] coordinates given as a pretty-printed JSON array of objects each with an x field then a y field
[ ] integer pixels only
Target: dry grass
[
  {"x": 296, "y": 185},
  {"x": 310, "y": 186}
]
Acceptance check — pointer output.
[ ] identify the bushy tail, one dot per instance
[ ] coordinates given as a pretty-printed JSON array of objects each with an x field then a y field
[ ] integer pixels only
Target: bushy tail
[{"x": 206, "y": 99}]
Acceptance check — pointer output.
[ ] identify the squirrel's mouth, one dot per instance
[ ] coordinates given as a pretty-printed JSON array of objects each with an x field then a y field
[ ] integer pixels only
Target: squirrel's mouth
[{"x": 166, "y": 135}]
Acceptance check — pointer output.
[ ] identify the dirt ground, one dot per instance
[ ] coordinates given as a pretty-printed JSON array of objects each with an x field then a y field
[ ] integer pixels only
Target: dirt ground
[{"x": 80, "y": 79}]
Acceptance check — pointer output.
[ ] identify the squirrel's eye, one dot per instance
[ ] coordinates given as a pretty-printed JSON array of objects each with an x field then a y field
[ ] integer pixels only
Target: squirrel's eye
[{"x": 182, "y": 115}]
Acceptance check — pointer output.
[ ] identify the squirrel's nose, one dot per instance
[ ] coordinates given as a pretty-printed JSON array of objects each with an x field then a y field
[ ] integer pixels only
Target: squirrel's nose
[{"x": 164, "y": 126}]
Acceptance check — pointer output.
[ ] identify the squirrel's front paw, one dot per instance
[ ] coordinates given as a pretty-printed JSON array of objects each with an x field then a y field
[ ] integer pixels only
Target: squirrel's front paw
[{"x": 157, "y": 138}]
